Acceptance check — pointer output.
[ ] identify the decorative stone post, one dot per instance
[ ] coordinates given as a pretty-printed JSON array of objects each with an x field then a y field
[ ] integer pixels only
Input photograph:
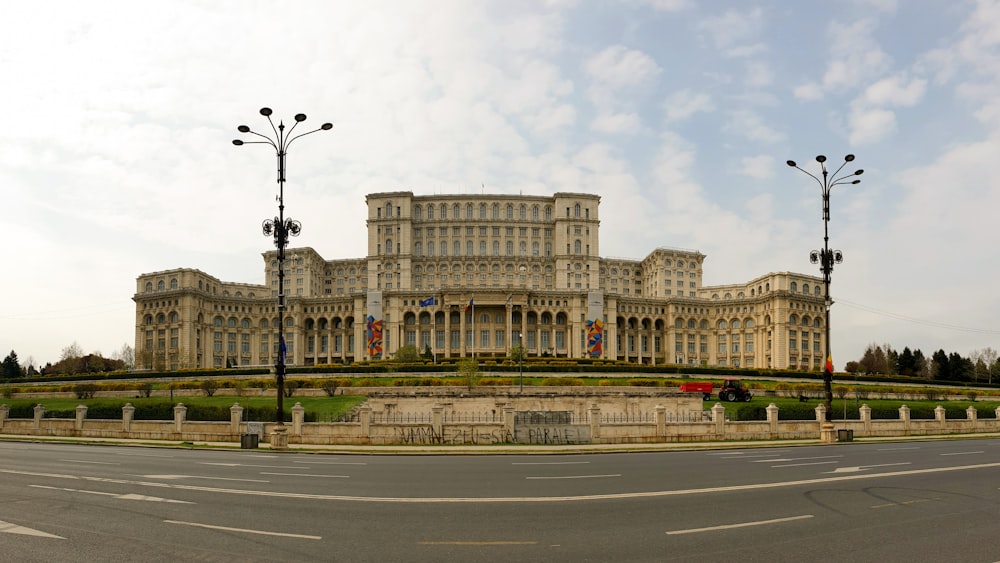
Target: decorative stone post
[
  {"x": 904, "y": 416},
  {"x": 821, "y": 413},
  {"x": 235, "y": 418},
  {"x": 39, "y": 413},
  {"x": 772, "y": 419},
  {"x": 866, "y": 418},
  {"x": 971, "y": 414},
  {"x": 366, "y": 421},
  {"x": 5, "y": 411},
  {"x": 595, "y": 422},
  {"x": 298, "y": 417},
  {"x": 719, "y": 418},
  {"x": 661, "y": 420},
  {"x": 437, "y": 425},
  {"x": 508, "y": 423},
  {"x": 81, "y": 415},
  {"x": 941, "y": 417},
  {"x": 279, "y": 437},
  {"x": 997, "y": 413},
  {"x": 180, "y": 414},
  {"x": 128, "y": 412},
  {"x": 826, "y": 433}
]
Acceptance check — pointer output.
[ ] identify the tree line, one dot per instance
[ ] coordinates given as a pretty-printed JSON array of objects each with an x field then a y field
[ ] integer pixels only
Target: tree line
[
  {"x": 72, "y": 360},
  {"x": 980, "y": 366}
]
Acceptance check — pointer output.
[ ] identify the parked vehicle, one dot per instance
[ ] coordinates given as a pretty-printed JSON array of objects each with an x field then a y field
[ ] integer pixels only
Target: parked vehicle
[{"x": 731, "y": 390}]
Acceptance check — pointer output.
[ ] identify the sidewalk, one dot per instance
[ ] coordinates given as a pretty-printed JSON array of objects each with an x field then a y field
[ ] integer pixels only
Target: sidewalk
[{"x": 500, "y": 449}]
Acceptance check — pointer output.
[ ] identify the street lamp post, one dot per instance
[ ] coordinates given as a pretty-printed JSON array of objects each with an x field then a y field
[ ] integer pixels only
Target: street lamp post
[
  {"x": 826, "y": 258},
  {"x": 280, "y": 228}
]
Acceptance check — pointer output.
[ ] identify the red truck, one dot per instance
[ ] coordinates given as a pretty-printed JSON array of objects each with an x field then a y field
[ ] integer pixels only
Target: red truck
[{"x": 731, "y": 390}]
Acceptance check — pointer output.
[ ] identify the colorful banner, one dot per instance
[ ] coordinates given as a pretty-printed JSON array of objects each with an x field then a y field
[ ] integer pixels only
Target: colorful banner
[
  {"x": 595, "y": 338},
  {"x": 374, "y": 338}
]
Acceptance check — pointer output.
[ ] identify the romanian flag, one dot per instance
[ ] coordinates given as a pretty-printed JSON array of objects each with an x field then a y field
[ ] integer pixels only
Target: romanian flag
[
  {"x": 829, "y": 364},
  {"x": 472, "y": 303}
]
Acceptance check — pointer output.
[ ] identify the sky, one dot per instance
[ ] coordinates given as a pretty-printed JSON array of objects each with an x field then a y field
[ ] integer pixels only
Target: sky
[{"x": 116, "y": 156}]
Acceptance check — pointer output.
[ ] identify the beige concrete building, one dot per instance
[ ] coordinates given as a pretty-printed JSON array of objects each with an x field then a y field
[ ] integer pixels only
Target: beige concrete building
[{"x": 474, "y": 275}]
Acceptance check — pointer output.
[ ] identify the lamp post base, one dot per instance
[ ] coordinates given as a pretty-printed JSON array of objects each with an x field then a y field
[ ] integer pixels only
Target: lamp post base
[
  {"x": 826, "y": 433},
  {"x": 279, "y": 438}
]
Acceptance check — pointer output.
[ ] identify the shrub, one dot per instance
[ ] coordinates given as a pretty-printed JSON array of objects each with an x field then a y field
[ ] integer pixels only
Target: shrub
[
  {"x": 562, "y": 382},
  {"x": 971, "y": 395},
  {"x": 209, "y": 386},
  {"x": 85, "y": 390},
  {"x": 644, "y": 382},
  {"x": 145, "y": 389}
]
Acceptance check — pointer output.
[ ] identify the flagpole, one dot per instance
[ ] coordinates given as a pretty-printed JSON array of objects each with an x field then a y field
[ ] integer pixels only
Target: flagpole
[{"x": 473, "y": 303}]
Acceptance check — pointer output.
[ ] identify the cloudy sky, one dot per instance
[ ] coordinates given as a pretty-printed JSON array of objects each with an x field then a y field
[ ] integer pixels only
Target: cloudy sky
[{"x": 116, "y": 155}]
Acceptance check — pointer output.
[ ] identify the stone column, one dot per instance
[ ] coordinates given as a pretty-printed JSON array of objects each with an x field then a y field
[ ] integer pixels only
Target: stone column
[
  {"x": 128, "y": 412},
  {"x": 39, "y": 413},
  {"x": 298, "y": 417},
  {"x": 971, "y": 414},
  {"x": 437, "y": 426},
  {"x": 821, "y": 413},
  {"x": 81, "y": 415},
  {"x": 365, "y": 414},
  {"x": 997, "y": 413},
  {"x": 235, "y": 417},
  {"x": 508, "y": 423},
  {"x": 866, "y": 418},
  {"x": 595, "y": 422},
  {"x": 904, "y": 415},
  {"x": 279, "y": 437},
  {"x": 5, "y": 411},
  {"x": 661, "y": 420},
  {"x": 719, "y": 418},
  {"x": 772, "y": 419},
  {"x": 941, "y": 417},
  {"x": 180, "y": 413}
]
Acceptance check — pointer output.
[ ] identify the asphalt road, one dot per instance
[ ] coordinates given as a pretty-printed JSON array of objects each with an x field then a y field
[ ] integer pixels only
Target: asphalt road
[{"x": 907, "y": 501}]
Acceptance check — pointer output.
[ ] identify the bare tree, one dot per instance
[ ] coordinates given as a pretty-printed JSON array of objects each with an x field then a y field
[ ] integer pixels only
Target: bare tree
[{"x": 126, "y": 354}]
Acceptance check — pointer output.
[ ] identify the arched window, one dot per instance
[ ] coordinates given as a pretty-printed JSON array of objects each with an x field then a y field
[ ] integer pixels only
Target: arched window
[
  {"x": 430, "y": 212},
  {"x": 418, "y": 213},
  {"x": 388, "y": 246},
  {"x": 679, "y": 323},
  {"x": 149, "y": 287},
  {"x": 174, "y": 317},
  {"x": 577, "y": 247},
  {"x": 444, "y": 211},
  {"x": 510, "y": 211},
  {"x": 524, "y": 212},
  {"x": 793, "y": 320},
  {"x": 160, "y": 318},
  {"x": 496, "y": 211},
  {"x": 548, "y": 213},
  {"x": 576, "y": 210},
  {"x": 735, "y": 324},
  {"x": 159, "y": 285},
  {"x": 173, "y": 283},
  {"x": 482, "y": 210},
  {"x": 245, "y": 323},
  {"x": 217, "y": 321},
  {"x": 388, "y": 209},
  {"x": 795, "y": 287},
  {"x": 468, "y": 211},
  {"x": 454, "y": 211},
  {"x": 722, "y": 325},
  {"x": 534, "y": 213}
]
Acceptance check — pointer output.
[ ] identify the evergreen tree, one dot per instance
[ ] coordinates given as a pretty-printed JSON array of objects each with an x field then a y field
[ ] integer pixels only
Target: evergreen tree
[
  {"x": 10, "y": 368},
  {"x": 939, "y": 366}
]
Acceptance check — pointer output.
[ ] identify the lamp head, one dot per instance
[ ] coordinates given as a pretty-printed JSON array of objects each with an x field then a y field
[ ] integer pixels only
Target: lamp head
[
  {"x": 243, "y": 129},
  {"x": 300, "y": 117},
  {"x": 265, "y": 111},
  {"x": 326, "y": 126},
  {"x": 821, "y": 159},
  {"x": 859, "y": 172},
  {"x": 237, "y": 142},
  {"x": 849, "y": 158},
  {"x": 790, "y": 163}
]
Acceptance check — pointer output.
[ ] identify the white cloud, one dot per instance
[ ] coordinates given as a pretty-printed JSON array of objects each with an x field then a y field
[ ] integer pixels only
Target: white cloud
[
  {"x": 683, "y": 104},
  {"x": 810, "y": 91},
  {"x": 732, "y": 30},
  {"x": 898, "y": 90},
  {"x": 618, "y": 123},
  {"x": 618, "y": 67},
  {"x": 870, "y": 125},
  {"x": 751, "y": 125},
  {"x": 760, "y": 166}
]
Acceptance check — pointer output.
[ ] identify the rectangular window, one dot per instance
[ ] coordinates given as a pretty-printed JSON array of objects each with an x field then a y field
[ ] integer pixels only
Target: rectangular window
[{"x": 484, "y": 338}]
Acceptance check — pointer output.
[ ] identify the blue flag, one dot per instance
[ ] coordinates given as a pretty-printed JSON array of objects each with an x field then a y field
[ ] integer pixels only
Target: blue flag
[{"x": 428, "y": 302}]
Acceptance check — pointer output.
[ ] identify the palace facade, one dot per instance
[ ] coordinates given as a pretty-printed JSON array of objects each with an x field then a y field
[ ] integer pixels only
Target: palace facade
[{"x": 474, "y": 275}]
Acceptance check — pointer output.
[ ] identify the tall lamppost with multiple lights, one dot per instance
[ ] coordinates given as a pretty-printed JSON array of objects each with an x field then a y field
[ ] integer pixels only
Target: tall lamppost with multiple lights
[
  {"x": 826, "y": 258},
  {"x": 280, "y": 228}
]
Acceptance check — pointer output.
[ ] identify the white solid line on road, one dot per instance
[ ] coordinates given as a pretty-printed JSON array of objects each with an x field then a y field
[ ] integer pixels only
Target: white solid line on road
[
  {"x": 487, "y": 542},
  {"x": 332, "y": 462},
  {"x": 252, "y": 465},
  {"x": 577, "y": 476},
  {"x": 482, "y": 500},
  {"x": 306, "y": 475},
  {"x": 85, "y": 461},
  {"x": 8, "y": 528},
  {"x": 740, "y": 525},
  {"x": 857, "y": 468},
  {"x": 898, "y": 449},
  {"x": 964, "y": 453},
  {"x": 795, "y": 458},
  {"x": 144, "y": 455},
  {"x": 128, "y": 496},
  {"x": 202, "y": 477},
  {"x": 549, "y": 462},
  {"x": 244, "y": 530},
  {"x": 802, "y": 464}
]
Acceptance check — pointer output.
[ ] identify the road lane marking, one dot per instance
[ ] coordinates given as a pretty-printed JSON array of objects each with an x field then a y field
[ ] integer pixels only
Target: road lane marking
[
  {"x": 202, "y": 477},
  {"x": 802, "y": 464},
  {"x": 795, "y": 458},
  {"x": 244, "y": 530},
  {"x": 577, "y": 476},
  {"x": 252, "y": 465},
  {"x": 740, "y": 525},
  {"x": 905, "y": 502},
  {"x": 964, "y": 453},
  {"x": 477, "y": 542},
  {"x": 306, "y": 475},
  {"x": 898, "y": 449},
  {"x": 472, "y": 500},
  {"x": 550, "y": 462},
  {"x": 85, "y": 461},
  {"x": 128, "y": 496},
  {"x": 145, "y": 455},
  {"x": 332, "y": 462},
  {"x": 8, "y": 528},
  {"x": 857, "y": 468}
]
